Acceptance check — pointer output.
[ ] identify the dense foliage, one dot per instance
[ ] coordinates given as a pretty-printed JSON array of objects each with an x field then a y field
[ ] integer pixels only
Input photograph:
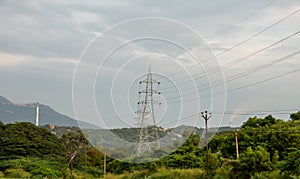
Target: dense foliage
[
  {"x": 268, "y": 148},
  {"x": 25, "y": 139}
]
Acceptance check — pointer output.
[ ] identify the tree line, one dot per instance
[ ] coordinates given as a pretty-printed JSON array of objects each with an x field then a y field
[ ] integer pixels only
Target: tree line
[{"x": 268, "y": 148}]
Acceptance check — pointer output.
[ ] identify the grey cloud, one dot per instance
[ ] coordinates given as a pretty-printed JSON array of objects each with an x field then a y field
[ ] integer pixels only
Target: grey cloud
[{"x": 56, "y": 29}]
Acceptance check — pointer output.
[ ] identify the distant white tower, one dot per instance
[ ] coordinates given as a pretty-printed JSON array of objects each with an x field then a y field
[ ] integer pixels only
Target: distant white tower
[{"x": 37, "y": 114}]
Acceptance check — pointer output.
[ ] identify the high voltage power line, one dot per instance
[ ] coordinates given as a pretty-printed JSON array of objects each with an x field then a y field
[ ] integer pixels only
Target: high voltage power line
[
  {"x": 251, "y": 37},
  {"x": 240, "y": 75},
  {"x": 229, "y": 64},
  {"x": 239, "y": 113},
  {"x": 244, "y": 19},
  {"x": 253, "y": 111},
  {"x": 245, "y": 73},
  {"x": 238, "y": 60},
  {"x": 271, "y": 130},
  {"x": 241, "y": 87},
  {"x": 240, "y": 43}
]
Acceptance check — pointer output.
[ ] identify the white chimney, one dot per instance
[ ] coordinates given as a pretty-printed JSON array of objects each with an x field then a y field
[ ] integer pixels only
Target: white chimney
[{"x": 37, "y": 114}]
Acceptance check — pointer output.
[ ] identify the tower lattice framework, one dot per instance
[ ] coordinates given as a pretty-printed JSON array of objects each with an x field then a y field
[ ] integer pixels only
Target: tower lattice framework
[{"x": 146, "y": 115}]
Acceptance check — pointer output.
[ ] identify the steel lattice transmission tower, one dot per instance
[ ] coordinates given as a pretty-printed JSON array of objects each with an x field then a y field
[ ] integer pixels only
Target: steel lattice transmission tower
[{"x": 146, "y": 115}]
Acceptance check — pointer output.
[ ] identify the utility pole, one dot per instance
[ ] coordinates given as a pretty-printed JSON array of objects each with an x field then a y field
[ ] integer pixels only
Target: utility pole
[
  {"x": 85, "y": 160},
  {"x": 146, "y": 115},
  {"x": 236, "y": 144},
  {"x": 104, "y": 164},
  {"x": 206, "y": 116}
]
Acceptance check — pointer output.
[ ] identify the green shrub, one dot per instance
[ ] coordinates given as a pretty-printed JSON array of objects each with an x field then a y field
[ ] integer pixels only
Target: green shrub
[
  {"x": 16, "y": 173},
  {"x": 272, "y": 174},
  {"x": 160, "y": 174},
  {"x": 140, "y": 174},
  {"x": 186, "y": 173},
  {"x": 223, "y": 172},
  {"x": 35, "y": 166}
]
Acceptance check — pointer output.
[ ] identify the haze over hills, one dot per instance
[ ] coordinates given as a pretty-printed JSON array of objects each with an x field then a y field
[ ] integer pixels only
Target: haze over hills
[{"x": 10, "y": 113}]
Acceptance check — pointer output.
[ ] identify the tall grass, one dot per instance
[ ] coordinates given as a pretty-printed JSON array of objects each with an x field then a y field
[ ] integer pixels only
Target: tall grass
[{"x": 161, "y": 173}]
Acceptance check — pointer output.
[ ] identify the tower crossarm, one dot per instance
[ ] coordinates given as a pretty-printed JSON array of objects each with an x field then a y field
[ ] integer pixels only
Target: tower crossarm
[{"x": 147, "y": 92}]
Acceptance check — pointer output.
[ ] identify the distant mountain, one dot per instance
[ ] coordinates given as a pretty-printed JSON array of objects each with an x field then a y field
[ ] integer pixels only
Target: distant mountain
[{"x": 10, "y": 113}]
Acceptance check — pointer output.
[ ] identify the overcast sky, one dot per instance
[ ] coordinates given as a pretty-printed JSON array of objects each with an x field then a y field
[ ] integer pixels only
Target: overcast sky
[{"x": 42, "y": 42}]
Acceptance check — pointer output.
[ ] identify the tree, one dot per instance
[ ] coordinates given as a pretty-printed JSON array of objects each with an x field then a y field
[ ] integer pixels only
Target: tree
[
  {"x": 76, "y": 145},
  {"x": 1, "y": 125},
  {"x": 224, "y": 143},
  {"x": 118, "y": 167},
  {"x": 189, "y": 155},
  {"x": 25, "y": 139},
  {"x": 253, "y": 161},
  {"x": 260, "y": 122},
  {"x": 295, "y": 116},
  {"x": 183, "y": 161},
  {"x": 94, "y": 156},
  {"x": 291, "y": 164}
]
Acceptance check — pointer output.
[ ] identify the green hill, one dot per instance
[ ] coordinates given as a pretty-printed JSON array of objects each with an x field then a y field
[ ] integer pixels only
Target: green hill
[{"x": 10, "y": 113}]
